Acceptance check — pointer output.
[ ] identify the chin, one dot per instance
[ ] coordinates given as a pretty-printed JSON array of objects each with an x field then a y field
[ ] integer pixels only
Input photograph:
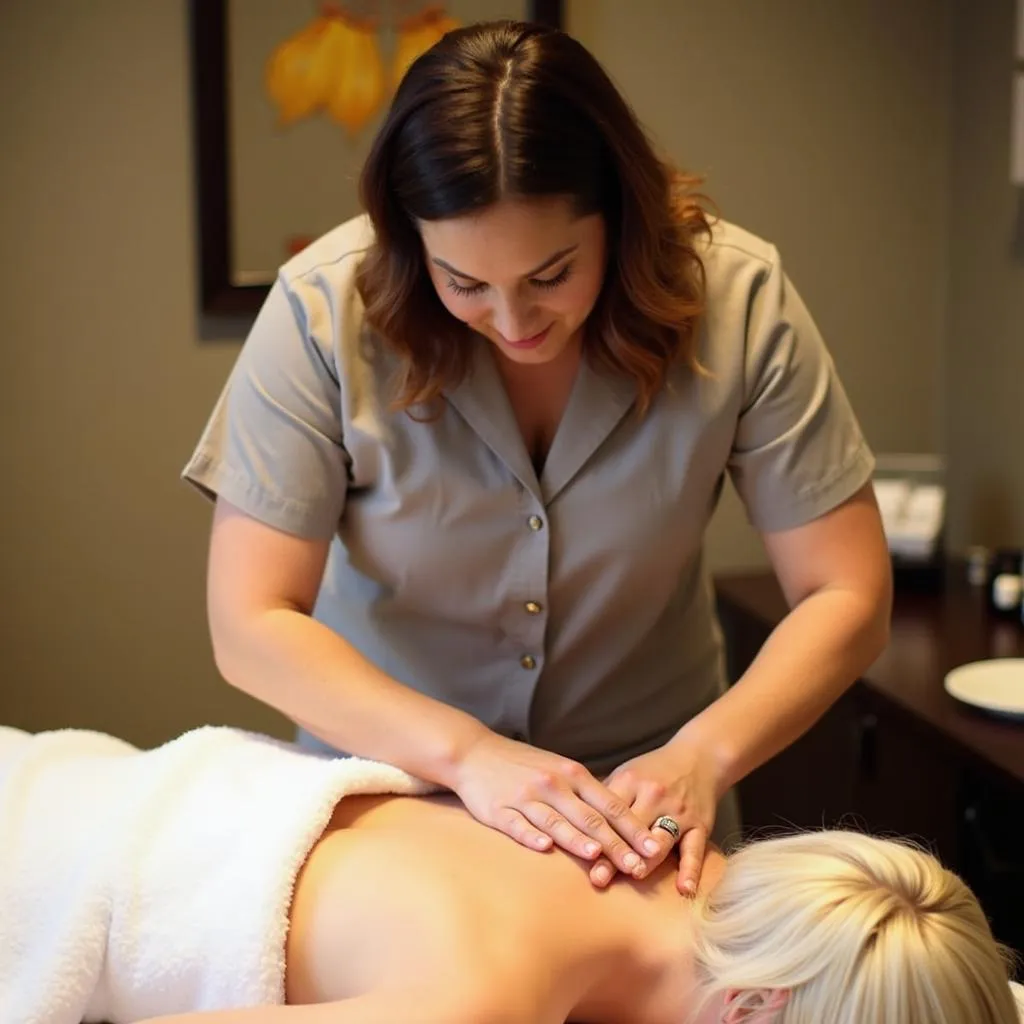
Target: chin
[
  {"x": 543, "y": 354},
  {"x": 549, "y": 350}
]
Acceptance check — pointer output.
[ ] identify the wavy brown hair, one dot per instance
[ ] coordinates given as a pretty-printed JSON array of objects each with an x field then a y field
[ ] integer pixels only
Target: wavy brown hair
[{"x": 511, "y": 110}]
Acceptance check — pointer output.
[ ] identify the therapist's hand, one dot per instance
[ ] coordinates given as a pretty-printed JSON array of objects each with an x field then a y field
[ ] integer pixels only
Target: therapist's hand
[
  {"x": 539, "y": 799},
  {"x": 679, "y": 780}
]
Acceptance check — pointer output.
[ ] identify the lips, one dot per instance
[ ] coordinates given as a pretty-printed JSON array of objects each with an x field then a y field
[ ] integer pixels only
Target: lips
[{"x": 532, "y": 342}]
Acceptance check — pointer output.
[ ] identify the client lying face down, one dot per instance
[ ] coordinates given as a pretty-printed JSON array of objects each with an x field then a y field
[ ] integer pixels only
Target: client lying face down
[
  {"x": 409, "y": 910},
  {"x": 228, "y": 878}
]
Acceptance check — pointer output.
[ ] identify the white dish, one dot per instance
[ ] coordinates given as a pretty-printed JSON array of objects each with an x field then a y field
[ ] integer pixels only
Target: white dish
[{"x": 996, "y": 685}]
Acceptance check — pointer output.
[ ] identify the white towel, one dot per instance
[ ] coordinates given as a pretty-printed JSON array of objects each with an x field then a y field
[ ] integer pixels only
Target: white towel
[{"x": 110, "y": 857}]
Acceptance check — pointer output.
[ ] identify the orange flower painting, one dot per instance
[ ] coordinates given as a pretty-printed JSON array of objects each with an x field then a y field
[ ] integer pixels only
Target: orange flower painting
[
  {"x": 416, "y": 35},
  {"x": 333, "y": 66}
]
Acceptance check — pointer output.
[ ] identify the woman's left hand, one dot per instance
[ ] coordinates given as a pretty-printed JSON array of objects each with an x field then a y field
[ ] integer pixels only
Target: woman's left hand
[{"x": 678, "y": 780}]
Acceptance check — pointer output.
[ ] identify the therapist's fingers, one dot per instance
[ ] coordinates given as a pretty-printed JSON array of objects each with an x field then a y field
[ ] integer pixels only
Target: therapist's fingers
[
  {"x": 578, "y": 828},
  {"x": 665, "y": 839},
  {"x": 555, "y": 824},
  {"x": 603, "y": 870},
  {"x": 691, "y": 859},
  {"x": 646, "y": 810},
  {"x": 618, "y": 812},
  {"x": 514, "y": 824}
]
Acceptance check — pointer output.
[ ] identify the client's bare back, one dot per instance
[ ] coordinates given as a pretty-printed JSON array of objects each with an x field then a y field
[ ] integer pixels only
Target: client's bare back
[
  {"x": 403, "y": 891},
  {"x": 408, "y": 909}
]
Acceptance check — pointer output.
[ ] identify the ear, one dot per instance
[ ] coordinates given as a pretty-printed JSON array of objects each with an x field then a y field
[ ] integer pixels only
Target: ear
[{"x": 760, "y": 1005}]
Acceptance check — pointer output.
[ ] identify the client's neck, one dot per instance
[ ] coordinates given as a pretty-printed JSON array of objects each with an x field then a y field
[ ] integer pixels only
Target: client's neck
[{"x": 643, "y": 973}]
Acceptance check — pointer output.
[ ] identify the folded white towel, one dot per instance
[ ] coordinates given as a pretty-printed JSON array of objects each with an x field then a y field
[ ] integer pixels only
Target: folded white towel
[{"x": 138, "y": 883}]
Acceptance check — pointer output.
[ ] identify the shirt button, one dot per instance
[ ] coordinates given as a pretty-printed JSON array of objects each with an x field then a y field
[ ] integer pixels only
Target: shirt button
[
  {"x": 535, "y": 523},
  {"x": 532, "y": 608},
  {"x": 528, "y": 661}
]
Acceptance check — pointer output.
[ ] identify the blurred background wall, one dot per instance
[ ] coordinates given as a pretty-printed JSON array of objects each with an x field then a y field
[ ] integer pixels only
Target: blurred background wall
[{"x": 868, "y": 140}]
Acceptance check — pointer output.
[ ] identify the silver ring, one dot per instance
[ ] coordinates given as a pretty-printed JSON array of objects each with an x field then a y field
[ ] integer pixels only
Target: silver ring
[{"x": 669, "y": 825}]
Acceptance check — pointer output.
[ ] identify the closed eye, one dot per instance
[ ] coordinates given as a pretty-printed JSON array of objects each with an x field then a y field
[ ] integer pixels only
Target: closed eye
[
  {"x": 461, "y": 289},
  {"x": 551, "y": 282}
]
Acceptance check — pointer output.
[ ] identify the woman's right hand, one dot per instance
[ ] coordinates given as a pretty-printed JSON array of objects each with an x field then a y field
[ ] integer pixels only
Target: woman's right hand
[{"x": 539, "y": 798}]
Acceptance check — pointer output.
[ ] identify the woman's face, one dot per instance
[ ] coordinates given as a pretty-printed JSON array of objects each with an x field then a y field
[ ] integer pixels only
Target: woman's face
[{"x": 523, "y": 273}]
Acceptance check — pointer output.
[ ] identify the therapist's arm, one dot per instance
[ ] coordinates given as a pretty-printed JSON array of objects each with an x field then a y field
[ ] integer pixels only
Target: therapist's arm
[
  {"x": 261, "y": 587},
  {"x": 836, "y": 575}
]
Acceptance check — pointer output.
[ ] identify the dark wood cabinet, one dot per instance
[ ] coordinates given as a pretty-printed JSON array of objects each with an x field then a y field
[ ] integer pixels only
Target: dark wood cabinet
[{"x": 895, "y": 755}]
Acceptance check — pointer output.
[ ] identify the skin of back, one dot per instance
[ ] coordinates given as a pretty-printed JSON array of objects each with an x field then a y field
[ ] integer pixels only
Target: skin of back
[{"x": 412, "y": 893}]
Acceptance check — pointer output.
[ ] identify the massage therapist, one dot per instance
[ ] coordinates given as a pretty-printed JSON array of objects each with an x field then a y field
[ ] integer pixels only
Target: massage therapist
[{"x": 464, "y": 464}]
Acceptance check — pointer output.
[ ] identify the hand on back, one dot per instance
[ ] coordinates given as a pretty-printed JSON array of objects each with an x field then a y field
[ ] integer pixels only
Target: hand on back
[{"x": 542, "y": 799}]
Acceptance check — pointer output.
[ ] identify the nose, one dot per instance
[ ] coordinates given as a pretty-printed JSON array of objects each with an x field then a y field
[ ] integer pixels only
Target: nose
[{"x": 514, "y": 319}]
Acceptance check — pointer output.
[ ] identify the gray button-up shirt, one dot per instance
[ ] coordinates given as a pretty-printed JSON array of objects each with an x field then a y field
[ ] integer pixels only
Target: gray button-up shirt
[{"x": 570, "y": 609}]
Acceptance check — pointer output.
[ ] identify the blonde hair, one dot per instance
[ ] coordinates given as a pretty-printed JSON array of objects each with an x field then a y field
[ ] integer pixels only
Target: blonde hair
[{"x": 857, "y": 929}]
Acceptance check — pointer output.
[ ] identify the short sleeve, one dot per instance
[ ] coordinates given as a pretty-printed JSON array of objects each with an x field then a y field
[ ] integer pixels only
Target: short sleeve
[
  {"x": 798, "y": 451},
  {"x": 273, "y": 446}
]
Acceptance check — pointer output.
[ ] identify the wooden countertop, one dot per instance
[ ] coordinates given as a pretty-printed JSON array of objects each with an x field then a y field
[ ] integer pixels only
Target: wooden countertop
[{"x": 932, "y": 632}]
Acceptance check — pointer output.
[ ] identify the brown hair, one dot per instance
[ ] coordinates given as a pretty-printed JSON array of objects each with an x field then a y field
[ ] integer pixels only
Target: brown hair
[{"x": 506, "y": 109}]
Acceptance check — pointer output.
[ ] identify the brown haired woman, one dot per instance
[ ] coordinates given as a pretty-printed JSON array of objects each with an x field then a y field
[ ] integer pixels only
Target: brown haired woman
[{"x": 465, "y": 461}]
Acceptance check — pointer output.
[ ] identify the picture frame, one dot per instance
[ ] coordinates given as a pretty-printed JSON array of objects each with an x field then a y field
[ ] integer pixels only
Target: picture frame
[{"x": 222, "y": 288}]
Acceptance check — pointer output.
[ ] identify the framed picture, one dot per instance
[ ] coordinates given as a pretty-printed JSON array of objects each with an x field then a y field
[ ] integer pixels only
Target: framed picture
[{"x": 277, "y": 150}]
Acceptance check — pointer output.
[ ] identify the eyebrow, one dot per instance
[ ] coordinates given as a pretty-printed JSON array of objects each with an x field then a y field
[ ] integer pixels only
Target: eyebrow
[{"x": 561, "y": 254}]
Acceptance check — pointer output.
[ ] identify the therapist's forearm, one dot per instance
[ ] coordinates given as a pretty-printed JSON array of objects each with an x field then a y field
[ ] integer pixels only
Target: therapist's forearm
[
  {"x": 816, "y": 652},
  {"x": 318, "y": 679}
]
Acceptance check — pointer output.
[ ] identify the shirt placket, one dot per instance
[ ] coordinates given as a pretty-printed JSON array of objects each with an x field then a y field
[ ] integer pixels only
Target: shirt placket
[{"x": 529, "y": 614}]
